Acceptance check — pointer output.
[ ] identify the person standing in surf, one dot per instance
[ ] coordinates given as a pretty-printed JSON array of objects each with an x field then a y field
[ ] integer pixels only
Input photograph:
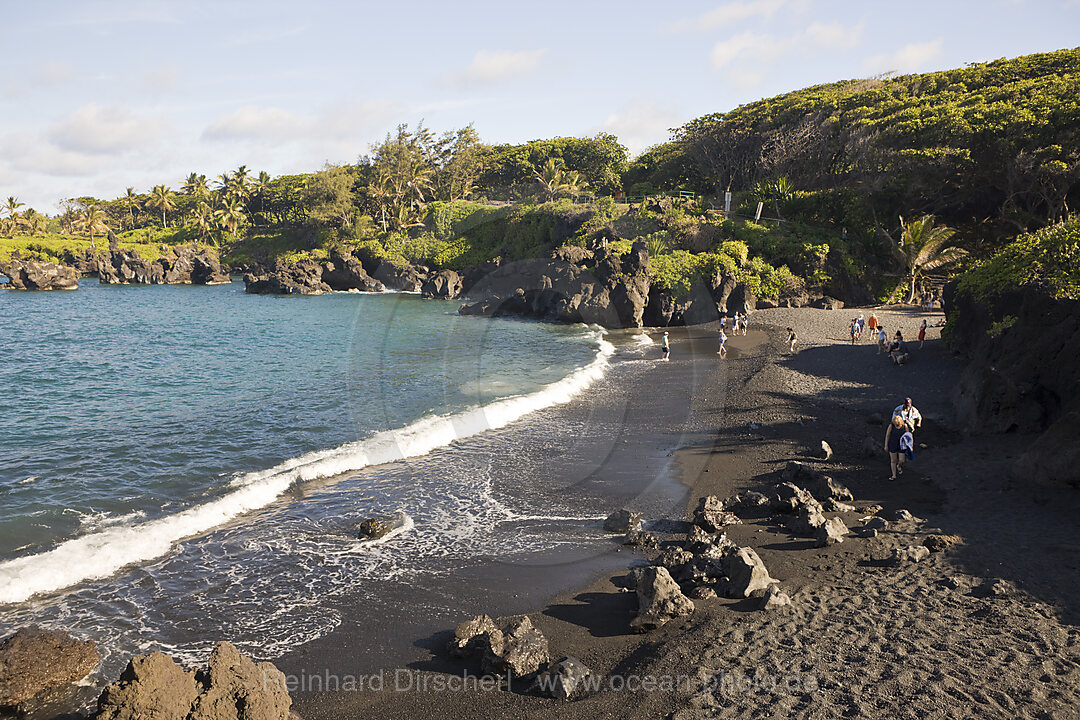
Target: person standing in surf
[{"x": 665, "y": 348}]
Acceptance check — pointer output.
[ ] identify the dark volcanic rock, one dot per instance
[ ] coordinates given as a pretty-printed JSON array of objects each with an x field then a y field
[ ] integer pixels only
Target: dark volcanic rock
[
  {"x": 345, "y": 272},
  {"x": 659, "y": 599},
  {"x": 566, "y": 679},
  {"x": 303, "y": 277},
  {"x": 443, "y": 285},
  {"x": 39, "y": 275},
  {"x": 34, "y": 660},
  {"x": 517, "y": 648},
  {"x": 622, "y": 521},
  {"x": 468, "y": 633},
  {"x": 181, "y": 265}
]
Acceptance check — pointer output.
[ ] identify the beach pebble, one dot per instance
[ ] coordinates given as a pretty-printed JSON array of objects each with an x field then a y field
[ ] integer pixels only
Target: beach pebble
[
  {"x": 566, "y": 679},
  {"x": 622, "y": 521},
  {"x": 909, "y": 554},
  {"x": 832, "y": 532},
  {"x": 940, "y": 543},
  {"x": 659, "y": 599},
  {"x": 772, "y": 598},
  {"x": 826, "y": 451},
  {"x": 745, "y": 573}
]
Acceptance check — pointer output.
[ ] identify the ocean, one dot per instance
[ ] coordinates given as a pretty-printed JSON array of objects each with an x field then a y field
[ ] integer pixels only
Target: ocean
[{"x": 181, "y": 465}]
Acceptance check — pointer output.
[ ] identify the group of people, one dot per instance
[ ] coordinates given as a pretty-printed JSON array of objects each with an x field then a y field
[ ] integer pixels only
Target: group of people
[
  {"x": 900, "y": 436},
  {"x": 739, "y": 323}
]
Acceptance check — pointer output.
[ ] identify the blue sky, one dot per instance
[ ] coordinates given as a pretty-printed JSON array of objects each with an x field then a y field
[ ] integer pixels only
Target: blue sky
[{"x": 99, "y": 95}]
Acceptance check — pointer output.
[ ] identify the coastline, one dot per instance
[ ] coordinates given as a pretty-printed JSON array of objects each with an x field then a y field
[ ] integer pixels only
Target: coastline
[{"x": 865, "y": 634}]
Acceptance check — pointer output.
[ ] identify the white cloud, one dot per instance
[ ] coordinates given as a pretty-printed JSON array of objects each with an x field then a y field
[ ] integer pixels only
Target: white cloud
[
  {"x": 254, "y": 123},
  {"x": 495, "y": 66},
  {"x": 749, "y": 46},
  {"x": 642, "y": 124},
  {"x": 835, "y": 35},
  {"x": 914, "y": 57},
  {"x": 729, "y": 14},
  {"x": 106, "y": 130},
  {"x": 27, "y": 153}
]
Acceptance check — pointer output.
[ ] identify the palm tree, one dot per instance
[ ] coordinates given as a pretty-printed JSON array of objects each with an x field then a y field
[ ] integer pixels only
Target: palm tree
[
  {"x": 132, "y": 203},
  {"x": 242, "y": 182},
  {"x": 13, "y": 206},
  {"x": 573, "y": 182},
  {"x": 93, "y": 223},
  {"x": 924, "y": 247},
  {"x": 161, "y": 198},
  {"x": 552, "y": 177},
  {"x": 204, "y": 221},
  {"x": 196, "y": 186},
  {"x": 231, "y": 215},
  {"x": 262, "y": 188}
]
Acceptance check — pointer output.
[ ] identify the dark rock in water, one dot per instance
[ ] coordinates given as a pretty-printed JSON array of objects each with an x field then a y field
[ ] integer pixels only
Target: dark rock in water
[
  {"x": 379, "y": 527},
  {"x": 38, "y": 275},
  {"x": 622, "y": 521},
  {"x": 180, "y": 265},
  {"x": 443, "y": 285},
  {"x": 517, "y": 648},
  {"x": 344, "y": 272},
  {"x": 34, "y": 660},
  {"x": 659, "y": 599},
  {"x": 614, "y": 295},
  {"x": 393, "y": 275},
  {"x": 467, "y": 635},
  {"x": 232, "y": 687},
  {"x": 566, "y": 679}
]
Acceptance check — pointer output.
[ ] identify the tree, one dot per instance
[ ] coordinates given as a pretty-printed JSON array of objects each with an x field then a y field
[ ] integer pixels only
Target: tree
[
  {"x": 261, "y": 187},
  {"x": 130, "y": 199},
  {"x": 12, "y": 207},
  {"x": 93, "y": 223},
  {"x": 329, "y": 197},
  {"x": 196, "y": 186},
  {"x": 161, "y": 198},
  {"x": 926, "y": 246},
  {"x": 203, "y": 218},
  {"x": 551, "y": 177},
  {"x": 241, "y": 183},
  {"x": 231, "y": 215}
]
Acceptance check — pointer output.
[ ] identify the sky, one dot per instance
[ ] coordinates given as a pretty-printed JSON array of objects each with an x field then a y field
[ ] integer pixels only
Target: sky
[{"x": 101, "y": 95}]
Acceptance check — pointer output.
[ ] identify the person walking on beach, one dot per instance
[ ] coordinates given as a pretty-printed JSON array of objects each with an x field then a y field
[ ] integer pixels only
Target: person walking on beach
[
  {"x": 793, "y": 339},
  {"x": 922, "y": 333},
  {"x": 723, "y": 340},
  {"x": 665, "y": 348},
  {"x": 854, "y": 330},
  {"x": 893, "y": 432},
  {"x": 880, "y": 339},
  {"x": 908, "y": 414},
  {"x": 862, "y": 324},
  {"x": 871, "y": 324}
]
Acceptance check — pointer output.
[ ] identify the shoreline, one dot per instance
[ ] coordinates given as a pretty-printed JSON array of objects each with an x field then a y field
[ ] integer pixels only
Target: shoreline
[{"x": 816, "y": 394}]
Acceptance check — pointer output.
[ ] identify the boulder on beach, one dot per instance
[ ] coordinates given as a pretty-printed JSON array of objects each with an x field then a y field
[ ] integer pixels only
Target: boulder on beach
[
  {"x": 747, "y": 500},
  {"x": 771, "y": 598},
  {"x": 807, "y": 518},
  {"x": 711, "y": 515},
  {"x": 467, "y": 634},
  {"x": 909, "y": 554},
  {"x": 231, "y": 687},
  {"x": 622, "y": 521},
  {"x": 659, "y": 599},
  {"x": 790, "y": 496},
  {"x": 831, "y": 532},
  {"x": 566, "y": 679},
  {"x": 516, "y": 648},
  {"x": 641, "y": 540},
  {"x": 819, "y": 484},
  {"x": 34, "y": 660},
  {"x": 745, "y": 573}
]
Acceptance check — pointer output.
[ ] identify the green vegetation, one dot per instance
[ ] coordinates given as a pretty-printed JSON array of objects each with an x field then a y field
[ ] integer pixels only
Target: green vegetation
[
  {"x": 820, "y": 181},
  {"x": 1049, "y": 258}
]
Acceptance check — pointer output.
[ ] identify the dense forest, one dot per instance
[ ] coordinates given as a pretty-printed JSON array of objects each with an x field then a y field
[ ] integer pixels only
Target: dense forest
[{"x": 858, "y": 188}]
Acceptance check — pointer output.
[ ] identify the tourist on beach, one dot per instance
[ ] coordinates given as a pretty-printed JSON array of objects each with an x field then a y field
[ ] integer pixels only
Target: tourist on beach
[
  {"x": 908, "y": 414},
  {"x": 862, "y": 324},
  {"x": 723, "y": 340},
  {"x": 893, "y": 433},
  {"x": 922, "y": 334},
  {"x": 881, "y": 339},
  {"x": 872, "y": 325},
  {"x": 793, "y": 339},
  {"x": 665, "y": 348},
  {"x": 723, "y": 322},
  {"x": 854, "y": 330}
]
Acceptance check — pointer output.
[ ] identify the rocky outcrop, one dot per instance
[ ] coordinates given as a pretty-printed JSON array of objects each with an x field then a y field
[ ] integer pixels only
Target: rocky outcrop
[
  {"x": 1023, "y": 375},
  {"x": 622, "y": 521},
  {"x": 183, "y": 265},
  {"x": 35, "y": 660},
  {"x": 232, "y": 687},
  {"x": 343, "y": 272},
  {"x": 302, "y": 277},
  {"x": 443, "y": 285},
  {"x": 38, "y": 275},
  {"x": 711, "y": 516},
  {"x": 393, "y": 275},
  {"x": 745, "y": 573},
  {"x": 613, "y": 293}
]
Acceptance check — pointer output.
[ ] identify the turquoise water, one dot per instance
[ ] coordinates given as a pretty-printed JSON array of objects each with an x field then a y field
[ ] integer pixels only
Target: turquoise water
[{"x": 181, "y": 465}]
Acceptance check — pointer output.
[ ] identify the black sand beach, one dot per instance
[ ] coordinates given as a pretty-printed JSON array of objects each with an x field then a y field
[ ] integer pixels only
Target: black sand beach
[{"x": 984, "y": 629}]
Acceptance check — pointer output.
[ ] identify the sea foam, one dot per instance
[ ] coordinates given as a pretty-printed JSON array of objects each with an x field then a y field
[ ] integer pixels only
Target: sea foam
[{"x": 101, "y": 553}]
